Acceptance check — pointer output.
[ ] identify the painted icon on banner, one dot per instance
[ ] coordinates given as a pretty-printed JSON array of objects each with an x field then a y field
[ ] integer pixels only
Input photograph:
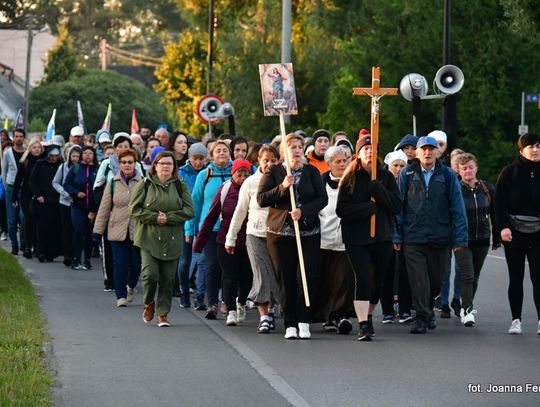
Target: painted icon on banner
[{"x": 277, "y": 88}]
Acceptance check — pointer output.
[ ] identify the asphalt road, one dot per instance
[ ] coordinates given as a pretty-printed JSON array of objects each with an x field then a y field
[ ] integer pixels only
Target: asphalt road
[{"x": 106, "y": 356}]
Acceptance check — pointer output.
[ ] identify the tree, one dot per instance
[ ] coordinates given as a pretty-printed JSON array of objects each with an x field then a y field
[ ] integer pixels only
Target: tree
[
  {"x": 95, "y": 89},
  {"x": 182, "y": 80},
  {"x": 62, "y": 59}
]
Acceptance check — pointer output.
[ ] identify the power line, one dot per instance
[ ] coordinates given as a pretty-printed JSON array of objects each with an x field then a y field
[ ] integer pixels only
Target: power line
[{"x": 132, "y": 54}]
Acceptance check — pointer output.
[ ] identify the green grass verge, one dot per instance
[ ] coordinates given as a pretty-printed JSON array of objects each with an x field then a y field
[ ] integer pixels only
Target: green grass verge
[{"x": 24, "y": 376}]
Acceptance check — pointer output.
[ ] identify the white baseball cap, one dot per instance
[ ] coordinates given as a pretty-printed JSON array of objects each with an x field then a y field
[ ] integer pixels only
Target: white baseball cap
[{"x": 77, "y": 131}]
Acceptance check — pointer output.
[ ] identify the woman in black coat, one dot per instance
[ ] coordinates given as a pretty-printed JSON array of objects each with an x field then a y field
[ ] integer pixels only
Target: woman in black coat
[
  {"x": 368, "y": 255},
  {"x": 311, "y": 197},
  {"x": 517, "y": 210},
  {"x": 47, "y": 205}
]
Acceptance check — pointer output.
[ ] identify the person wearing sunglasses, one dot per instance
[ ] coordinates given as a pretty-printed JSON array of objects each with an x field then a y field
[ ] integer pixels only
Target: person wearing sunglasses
[{"x": 113, "y": 215}]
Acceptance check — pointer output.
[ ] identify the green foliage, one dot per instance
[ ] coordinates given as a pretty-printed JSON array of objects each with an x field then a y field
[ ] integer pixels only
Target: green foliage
[
  {"x": 144, "y": 25},
  {"x": 95, "y": 89},
  {"x": 25, "y": 379},
  {"x": 182, "y": 80},
  {"x": 62, "y": 59},
  {"x": 37, "y": 124}
]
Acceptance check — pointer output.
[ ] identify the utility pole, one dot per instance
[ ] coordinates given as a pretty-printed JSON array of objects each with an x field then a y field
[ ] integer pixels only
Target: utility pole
[
  {"x": 449, "y": 122},
  {"x": 30, "y": 26},
  {"x": 286, "y": 22},
  {"x": 103, "y": 54},
  {"x": 210, "y": 46}
]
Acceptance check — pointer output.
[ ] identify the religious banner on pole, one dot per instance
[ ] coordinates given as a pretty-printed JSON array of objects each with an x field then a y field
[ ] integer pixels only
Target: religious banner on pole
[
  {"x": 375, "y": 93},
  {"x": 279, "y": 98},
  {"x": 277, "y": 88}
]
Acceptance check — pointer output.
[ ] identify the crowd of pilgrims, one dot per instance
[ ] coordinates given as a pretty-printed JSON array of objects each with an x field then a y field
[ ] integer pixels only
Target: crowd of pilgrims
[{"x": 211, "y": 223}]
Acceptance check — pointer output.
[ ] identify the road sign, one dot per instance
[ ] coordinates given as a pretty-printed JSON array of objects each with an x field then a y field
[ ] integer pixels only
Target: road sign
[
  {"x": 208, "y": 107},
  {"x": 523, "y": 129}
]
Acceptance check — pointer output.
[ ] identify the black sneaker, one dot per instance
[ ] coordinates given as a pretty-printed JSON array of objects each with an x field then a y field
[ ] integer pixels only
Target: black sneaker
[
  {"x": 370, "y": 324},
  {"x": 264, "y": 327},
  {"x": 211, "y": 313},
  {"x": 28, "y": 255},
  {"x": 432, "y": 324},
  {"x": 67, "y": 261},
  {"x": 87, "y": 265},
  {"x": 15, "y": 251},
  {"x": 445, "y": 311},
  {"x": 199, "y": 306},
  {"x": 456, "y": 306},
  {"x": 344, "y": 326},
  {"x": 418, "y": 328},
  {"x": 365, "y": 333},
  {"x": 330, "y": 326}
]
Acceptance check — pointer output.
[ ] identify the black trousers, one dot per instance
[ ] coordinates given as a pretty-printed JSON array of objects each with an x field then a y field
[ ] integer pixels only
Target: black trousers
[
  {"x": 284, "y": 255},
  {"x": 28, "y": 207},
  {"x": 426, "y": 266},
  {"x": 237, "y": 276},
  {"x": 515, "y": 259},
  {"x": 49, "y": 236},
  {"x": 369, "y": 263}
]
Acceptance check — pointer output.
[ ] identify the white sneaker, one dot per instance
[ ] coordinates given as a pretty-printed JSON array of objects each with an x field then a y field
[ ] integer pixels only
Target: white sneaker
[
  {"x": 303, "y": 329},
  {"x": 291, "y": 333},
  {"x": 4, "y": 236},
  {"x": 240, "y": 312},
  {"x": 121, "y": 302},
  {"x": 467, "y": 318},
  {"x": 231, "y": 319},
  {"x": 515, "y": 328},
  {"x": 130, "y": 294}
]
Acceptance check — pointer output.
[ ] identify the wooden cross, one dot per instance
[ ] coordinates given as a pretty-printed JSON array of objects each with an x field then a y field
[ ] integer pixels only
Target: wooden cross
[{"x": 375, "y": 93}]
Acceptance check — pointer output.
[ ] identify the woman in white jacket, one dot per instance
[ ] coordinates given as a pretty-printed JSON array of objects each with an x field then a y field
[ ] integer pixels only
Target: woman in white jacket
[
  {"x": 72, "y": 157},
  {"x": 264, "y": 290},
  {"x": 334, "y": 303}
]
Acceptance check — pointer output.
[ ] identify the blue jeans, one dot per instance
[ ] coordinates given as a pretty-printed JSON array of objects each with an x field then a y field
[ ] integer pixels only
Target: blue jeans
[
  {"x": 82, "y": 234},
  {"x": 445, "y": 290},
  {"x": 14, "y": 217},
  {"x": 198, "y": 261},
  {"x": 213, "y": 270},
  {"x": 183, "y": 273},
  {"x": 126, "y": 267}
]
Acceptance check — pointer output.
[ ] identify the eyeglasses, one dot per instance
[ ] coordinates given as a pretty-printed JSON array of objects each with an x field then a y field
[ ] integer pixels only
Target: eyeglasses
[
  {"x": 127, "y": 162},
  {"x": 165, "y": 164}
]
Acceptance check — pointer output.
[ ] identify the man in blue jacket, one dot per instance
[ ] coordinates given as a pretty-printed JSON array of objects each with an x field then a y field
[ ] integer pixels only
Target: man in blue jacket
[{"x": 432, "y": 219}]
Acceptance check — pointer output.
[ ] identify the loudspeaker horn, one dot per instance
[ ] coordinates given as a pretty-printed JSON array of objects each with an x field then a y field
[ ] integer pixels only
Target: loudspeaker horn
[
  {"x": 412, "y": 85},
  {"x": 449, "y": 79}
]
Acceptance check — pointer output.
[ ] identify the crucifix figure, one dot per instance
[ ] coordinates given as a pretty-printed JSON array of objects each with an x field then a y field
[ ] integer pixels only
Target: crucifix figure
[{"x": 375, "y": 93}]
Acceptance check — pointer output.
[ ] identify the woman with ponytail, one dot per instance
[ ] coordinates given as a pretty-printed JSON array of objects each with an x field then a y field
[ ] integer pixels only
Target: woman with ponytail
[{"x": 358, "y": 199}]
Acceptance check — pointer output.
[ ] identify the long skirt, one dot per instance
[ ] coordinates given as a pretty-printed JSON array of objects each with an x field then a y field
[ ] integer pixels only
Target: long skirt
[
  {"x": 264, "y": 288},
  {"x": 336, "y": 287}
]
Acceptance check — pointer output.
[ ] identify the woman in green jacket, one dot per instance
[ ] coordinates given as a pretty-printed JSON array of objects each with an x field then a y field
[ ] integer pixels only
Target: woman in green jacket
[{"x": 160, "y": 205}]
